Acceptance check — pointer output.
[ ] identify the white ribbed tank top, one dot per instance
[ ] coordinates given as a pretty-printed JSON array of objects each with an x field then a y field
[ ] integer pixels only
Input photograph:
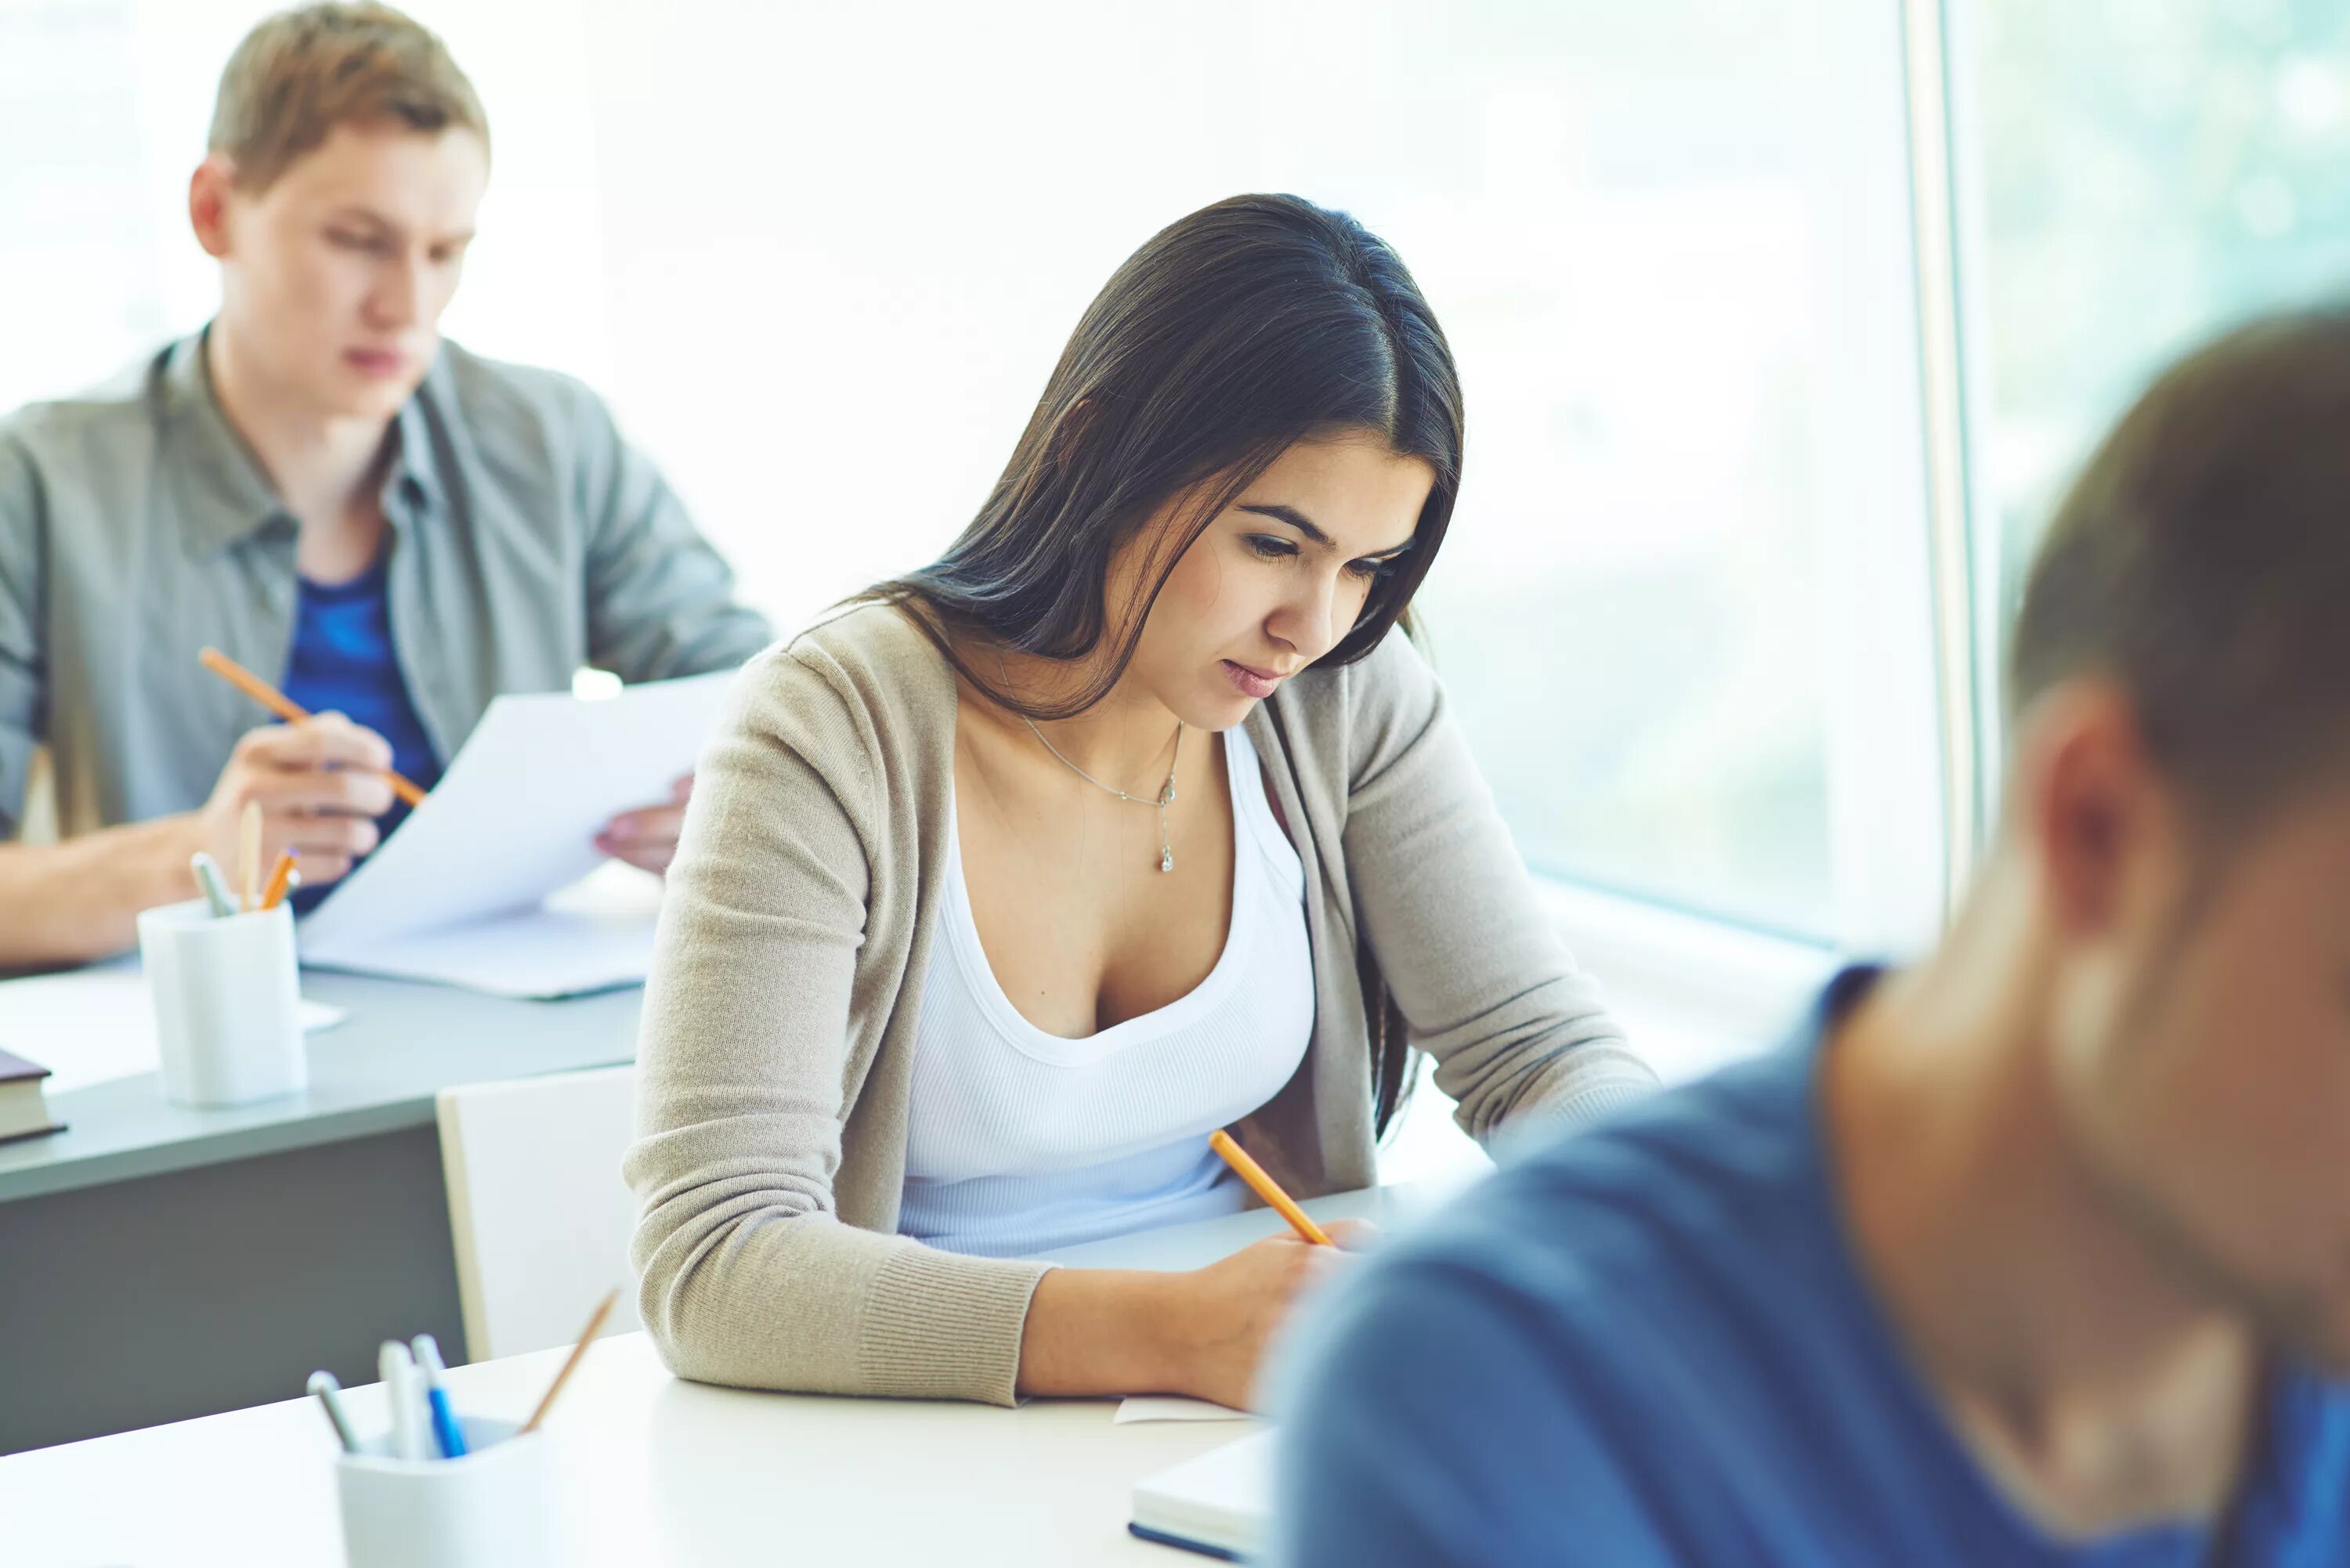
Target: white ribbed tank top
[{"x": 1018, "y": 1141}]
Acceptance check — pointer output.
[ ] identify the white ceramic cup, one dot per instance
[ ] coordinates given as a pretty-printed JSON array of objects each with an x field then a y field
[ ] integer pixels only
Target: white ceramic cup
[
  {"x": 492, "y": 1509},
  {"x": 228, "y": 1003}
]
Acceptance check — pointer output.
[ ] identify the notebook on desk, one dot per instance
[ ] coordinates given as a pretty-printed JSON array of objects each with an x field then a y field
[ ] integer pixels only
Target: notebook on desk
[{"x": 1216, "y": 1503}]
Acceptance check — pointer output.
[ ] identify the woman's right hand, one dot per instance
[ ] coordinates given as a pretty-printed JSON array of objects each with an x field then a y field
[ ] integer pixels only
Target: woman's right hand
[{"x": 1226, "y": 1314}]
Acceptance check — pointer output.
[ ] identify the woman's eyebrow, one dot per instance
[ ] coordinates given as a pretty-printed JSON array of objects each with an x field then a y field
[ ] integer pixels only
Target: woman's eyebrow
[
  {"x": 1305, "y": 524},
  {"x": 1289, "y": 514}
]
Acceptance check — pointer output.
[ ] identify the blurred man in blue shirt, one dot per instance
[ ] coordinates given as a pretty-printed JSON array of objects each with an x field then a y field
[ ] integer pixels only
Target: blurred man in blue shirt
[{"x": 2038, "y": 1253}]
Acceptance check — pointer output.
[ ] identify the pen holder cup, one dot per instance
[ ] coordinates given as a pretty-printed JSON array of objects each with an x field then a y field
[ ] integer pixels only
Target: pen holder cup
[
  {"x": 228, "y": 1003},
  {"x": 492, "y": 1509}
]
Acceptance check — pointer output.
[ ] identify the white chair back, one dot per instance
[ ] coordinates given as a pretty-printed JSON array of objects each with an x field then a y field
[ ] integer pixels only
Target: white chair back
[{"x": 537, "y": 1206}]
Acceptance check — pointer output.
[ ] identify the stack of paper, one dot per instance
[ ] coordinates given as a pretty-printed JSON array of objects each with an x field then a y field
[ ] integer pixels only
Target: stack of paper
[{"x": 460, "y": 893}]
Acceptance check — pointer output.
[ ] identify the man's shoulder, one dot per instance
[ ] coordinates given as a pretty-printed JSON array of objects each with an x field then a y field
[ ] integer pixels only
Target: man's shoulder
[
  {"x": 97, "y": 422},
  {"x": 497, "y": 399},
  {"x": 1600, "y": 1337},
  {"x": 1570, "y": 1345},
  {"x": 1616, "y": 1222},
  {"x": 1654, "y": 1246}
]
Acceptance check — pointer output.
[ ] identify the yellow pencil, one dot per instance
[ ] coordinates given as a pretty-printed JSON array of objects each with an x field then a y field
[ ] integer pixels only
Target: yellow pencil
[
  {"x": 286, "y": 708},
  {"x": 1267, "y": 1187}
]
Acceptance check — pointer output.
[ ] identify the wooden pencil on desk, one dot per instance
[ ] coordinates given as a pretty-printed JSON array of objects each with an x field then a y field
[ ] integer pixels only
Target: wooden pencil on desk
[
  {"x": 286, "y": 708},
  {"x": 1267, "y": 1187}
]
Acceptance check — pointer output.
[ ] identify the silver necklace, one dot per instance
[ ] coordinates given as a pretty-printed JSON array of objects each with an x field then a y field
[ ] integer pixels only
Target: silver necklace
[{"x": 1166, "y": 794}]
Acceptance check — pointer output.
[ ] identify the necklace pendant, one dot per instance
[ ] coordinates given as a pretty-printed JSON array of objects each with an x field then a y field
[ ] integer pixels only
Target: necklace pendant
[{"x": 1166, "y": 860}]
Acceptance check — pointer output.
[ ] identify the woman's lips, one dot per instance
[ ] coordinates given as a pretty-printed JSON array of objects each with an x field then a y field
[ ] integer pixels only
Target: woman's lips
[{"x": 1250, "y": 682}]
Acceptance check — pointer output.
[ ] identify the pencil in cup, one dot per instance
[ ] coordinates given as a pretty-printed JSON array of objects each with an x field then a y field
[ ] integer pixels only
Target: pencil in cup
[
  {"x": 286, "y": 708},
  {"x": 571, "y": 1364},
  {"x": 248, "y": 859},
  {"x": 1281, "y": 1202},
  {"x": 281, "y": 878}
]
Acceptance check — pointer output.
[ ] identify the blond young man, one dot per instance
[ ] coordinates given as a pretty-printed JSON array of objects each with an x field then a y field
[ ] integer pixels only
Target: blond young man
[{"x": 393, "y": 529}]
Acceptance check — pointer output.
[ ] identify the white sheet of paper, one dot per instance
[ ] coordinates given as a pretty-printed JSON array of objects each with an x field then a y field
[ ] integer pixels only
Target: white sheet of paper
[
  {"x": 1169, "y": 1408},
  {"x": 511, "y": 820},
  {"x": 550, "y": 952},
  {"x": 90, "y": 1026}
]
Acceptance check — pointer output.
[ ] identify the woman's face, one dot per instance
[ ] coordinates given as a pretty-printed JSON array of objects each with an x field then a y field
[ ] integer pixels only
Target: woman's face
[{"x": 1274, "y": 582}]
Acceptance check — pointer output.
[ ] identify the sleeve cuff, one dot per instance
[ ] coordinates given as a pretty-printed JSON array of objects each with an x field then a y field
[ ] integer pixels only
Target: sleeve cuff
[{"x": 944, "y": 1326}]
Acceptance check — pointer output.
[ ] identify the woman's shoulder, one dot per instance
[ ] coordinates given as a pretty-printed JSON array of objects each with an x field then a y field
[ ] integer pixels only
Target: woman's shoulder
[
  {"x": 869, "y": 653},
  {"x": 856, "y": 699},
  {"x": 1335, "y": 726},
  {"x": 863, "y": 684}
]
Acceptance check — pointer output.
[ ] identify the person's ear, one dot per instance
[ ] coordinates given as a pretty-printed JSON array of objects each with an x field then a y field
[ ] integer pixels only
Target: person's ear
[
  {"x": 2094, "y": 811},
  {"x": 210, "y": 190}
]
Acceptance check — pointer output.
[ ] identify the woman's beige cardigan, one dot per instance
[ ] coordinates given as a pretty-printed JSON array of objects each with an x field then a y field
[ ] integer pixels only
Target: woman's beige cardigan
[{"x": 778, "y": 1032}]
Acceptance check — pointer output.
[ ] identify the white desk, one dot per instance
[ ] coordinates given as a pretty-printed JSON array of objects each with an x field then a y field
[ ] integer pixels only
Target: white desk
[{"x": 654, "y": 1472}]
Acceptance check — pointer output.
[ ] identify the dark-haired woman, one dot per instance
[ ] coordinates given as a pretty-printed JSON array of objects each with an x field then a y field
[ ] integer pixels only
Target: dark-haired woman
[{"x": 1131, "y": 817}]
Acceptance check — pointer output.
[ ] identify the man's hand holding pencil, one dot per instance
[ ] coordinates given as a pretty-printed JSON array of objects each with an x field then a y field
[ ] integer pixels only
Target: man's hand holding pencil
[{"x": 321, "y": 784}]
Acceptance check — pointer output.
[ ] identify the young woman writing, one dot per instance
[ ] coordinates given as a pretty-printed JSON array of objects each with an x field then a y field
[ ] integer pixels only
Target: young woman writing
[{"x": 1131, "y": 817}]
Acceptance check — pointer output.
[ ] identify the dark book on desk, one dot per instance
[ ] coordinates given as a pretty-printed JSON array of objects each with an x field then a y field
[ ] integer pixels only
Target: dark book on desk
[{"x": 23, "y": 1112}]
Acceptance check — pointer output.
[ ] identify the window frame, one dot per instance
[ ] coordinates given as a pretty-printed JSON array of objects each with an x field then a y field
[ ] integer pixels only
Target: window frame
[{"x": 1910, "y": 794}]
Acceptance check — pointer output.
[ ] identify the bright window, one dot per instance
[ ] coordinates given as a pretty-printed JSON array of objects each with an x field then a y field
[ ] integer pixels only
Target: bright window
[
  {"x": 2140, "y": 176},
  {"x": 1682, "y": 610},
  {"x": 821, "y": 259}
]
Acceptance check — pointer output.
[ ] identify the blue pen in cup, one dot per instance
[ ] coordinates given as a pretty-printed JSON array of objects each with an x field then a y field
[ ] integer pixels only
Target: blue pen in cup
[{"x": 444, "y": 1419}]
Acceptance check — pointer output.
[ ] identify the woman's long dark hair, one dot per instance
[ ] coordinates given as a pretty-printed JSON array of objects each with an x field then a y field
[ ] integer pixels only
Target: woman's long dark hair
[{"x": 1233, "y": 335}]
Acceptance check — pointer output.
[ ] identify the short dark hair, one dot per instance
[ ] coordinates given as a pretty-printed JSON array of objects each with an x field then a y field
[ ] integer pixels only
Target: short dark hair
[
  {"x": 1232, "y": 334},
  {"x": 2202, "y": 561}
]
